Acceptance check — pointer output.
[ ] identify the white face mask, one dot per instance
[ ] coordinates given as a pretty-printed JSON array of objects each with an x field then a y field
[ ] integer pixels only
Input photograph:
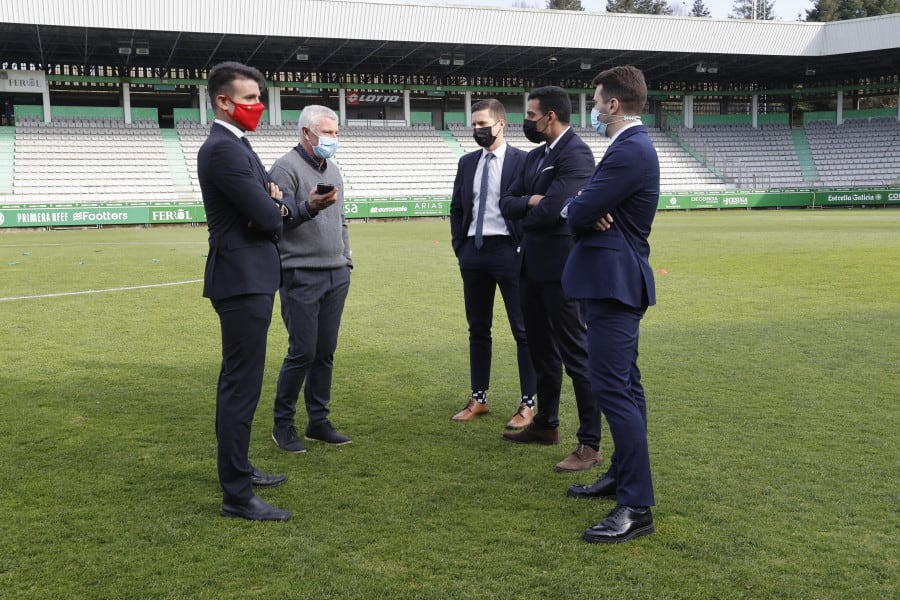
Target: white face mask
[{"x": 326, "y": 147}]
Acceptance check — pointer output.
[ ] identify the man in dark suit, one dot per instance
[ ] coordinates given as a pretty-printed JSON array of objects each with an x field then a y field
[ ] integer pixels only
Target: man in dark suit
[
  {"x": 245, "y": 215},
  {"x": 485, "y": 245},
  {"x": 609, "y": 271},
  {"x": 553, "y": 172}
]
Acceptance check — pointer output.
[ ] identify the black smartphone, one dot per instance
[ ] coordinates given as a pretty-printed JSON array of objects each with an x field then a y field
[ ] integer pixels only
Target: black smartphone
[{"x": 324, "y": 188}]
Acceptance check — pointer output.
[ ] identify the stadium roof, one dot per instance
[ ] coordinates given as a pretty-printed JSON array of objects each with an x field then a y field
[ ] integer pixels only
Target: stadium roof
[{"x": 440, "y": 42}]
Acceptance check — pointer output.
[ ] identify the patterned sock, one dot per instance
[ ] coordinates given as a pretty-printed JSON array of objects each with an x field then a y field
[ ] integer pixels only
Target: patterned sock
[
  {"x": 480, "y": 396},
  {"x": 529, "y": 401}
]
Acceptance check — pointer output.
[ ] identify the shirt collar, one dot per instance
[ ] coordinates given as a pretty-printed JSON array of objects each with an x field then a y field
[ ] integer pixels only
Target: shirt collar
[
  {"x": 498, "y": 152},
  {"x": 311, "y": 160},
  {"x": 628, "y": 124},
  {"x": 559, "y": 137},
  {"x": 230, "y": 127}
]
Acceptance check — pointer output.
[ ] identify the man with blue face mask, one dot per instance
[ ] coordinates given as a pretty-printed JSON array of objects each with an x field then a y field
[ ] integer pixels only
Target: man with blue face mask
[
  {"x": 608, "y": 271},
  {"x": 315, "y": 265}
]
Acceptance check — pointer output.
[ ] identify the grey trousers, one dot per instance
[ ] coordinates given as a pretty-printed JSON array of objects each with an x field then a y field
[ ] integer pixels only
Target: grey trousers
[{"x": 312, "y": 301}]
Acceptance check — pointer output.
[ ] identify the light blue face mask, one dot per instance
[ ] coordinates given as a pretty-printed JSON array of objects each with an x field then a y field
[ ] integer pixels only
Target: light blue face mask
[
  {"x": 600, "y": 127},
  {"x": 326, "y": 147}
]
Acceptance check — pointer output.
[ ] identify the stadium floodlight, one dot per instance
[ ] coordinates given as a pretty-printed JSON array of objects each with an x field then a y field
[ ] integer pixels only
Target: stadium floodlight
[
  {"x": 810, "y": 72},
  {"x": 701, "y": 68},
  {"x": 712, "y": 69},
  {"x": 124, "y": 47},
  {"x": 585, "y": 65},
  {"x": 302, "y": 54},
  {"x": 444, "y": 60},
  {"x": 142, "y": 49},
  {"x": 459, "y": 60}
]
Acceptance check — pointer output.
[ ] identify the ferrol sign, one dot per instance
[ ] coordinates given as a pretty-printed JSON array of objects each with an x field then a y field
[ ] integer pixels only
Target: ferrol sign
[
  {"x": 357, "y": 98},
  {"x": 84, "y": 216},
  {"x": 27, "y": 82}
]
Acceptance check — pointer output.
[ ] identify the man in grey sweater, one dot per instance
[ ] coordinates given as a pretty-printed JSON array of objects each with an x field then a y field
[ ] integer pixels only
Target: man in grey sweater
[{"x": 315, "y": 267}]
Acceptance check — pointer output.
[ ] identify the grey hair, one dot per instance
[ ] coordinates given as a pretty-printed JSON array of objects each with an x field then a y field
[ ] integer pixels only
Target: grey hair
[{"x": 312, "y": 114}]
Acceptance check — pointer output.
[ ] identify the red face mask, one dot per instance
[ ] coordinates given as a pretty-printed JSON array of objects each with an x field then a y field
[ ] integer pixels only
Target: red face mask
[{"x": 247, "y": 115}]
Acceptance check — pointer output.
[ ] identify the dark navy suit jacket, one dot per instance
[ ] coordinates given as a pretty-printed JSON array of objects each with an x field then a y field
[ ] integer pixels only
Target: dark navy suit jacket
[
  {"x": 463, "y": 199},
  {"x": 615, "y": 264},
  {"x": 244, "y": 222},
  {"x": 546, "y": 238}
]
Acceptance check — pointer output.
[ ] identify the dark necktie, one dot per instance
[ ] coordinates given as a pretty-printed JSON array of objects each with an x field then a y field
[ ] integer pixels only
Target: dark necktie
[
  {"x": 543, "y": 159},
  {"x": 482, "y": 200}
]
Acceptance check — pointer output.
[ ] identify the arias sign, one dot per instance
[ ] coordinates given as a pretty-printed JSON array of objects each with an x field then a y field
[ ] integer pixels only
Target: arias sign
[{"x": 357, "y": 98}]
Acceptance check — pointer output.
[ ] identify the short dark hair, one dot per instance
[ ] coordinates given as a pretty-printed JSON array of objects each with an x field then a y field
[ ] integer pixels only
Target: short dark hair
[
  {"x": 627, "y": 84},
  {"x": 221, "y": 76},
  {"x": 496, "y": 108},
  {"x": 553, "y": 97}
]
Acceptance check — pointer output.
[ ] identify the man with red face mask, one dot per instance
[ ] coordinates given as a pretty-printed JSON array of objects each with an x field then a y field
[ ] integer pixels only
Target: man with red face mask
[{"x": 245, "y": 215}]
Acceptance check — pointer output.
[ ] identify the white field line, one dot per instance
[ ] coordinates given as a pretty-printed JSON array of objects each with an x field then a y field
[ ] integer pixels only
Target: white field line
[{"x": 83, "y": 292}]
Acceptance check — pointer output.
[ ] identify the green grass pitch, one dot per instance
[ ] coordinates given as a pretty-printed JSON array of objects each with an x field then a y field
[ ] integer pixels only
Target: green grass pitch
[{"x": 771, "y": 369}]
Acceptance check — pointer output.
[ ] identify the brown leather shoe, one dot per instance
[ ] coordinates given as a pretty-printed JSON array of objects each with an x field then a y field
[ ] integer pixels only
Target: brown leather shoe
[
  {"x": 582, "y": 459},
  {"x": 533, "y": 435},
  {"x": 472, "y": 410},
  {"x": 523, "y": 417}
]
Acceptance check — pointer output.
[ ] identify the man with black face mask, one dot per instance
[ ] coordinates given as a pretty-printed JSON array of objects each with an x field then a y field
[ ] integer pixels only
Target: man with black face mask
[
  {"x": 485, "y": 245},
  {"x": 553, "y": 172}
]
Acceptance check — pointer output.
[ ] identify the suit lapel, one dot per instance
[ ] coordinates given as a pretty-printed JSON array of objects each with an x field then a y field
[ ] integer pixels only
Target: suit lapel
[
  {"x": 510, "y": 162},
  {"x": 469, "y": 179},
  {"x": 257, "y": 163}
]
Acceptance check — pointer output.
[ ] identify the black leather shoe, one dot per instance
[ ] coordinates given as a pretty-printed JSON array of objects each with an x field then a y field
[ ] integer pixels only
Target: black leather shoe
[
  {"x": 287, "y": 439},
  {"x": 605, "y": 488},
  {"x": 261, "y": 480},
  {"x": 325, "y": 432},
  {"x": 255, "y": 510},
  {"x": 622, "y": 524}
]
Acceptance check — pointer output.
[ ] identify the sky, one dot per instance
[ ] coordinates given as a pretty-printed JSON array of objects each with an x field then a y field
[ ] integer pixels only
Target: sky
[{"x": 785, "y": 10}]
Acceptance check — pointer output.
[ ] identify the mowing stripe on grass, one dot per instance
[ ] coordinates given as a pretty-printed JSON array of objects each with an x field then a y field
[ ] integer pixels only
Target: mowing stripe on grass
[{"x": 119, "y": 289}]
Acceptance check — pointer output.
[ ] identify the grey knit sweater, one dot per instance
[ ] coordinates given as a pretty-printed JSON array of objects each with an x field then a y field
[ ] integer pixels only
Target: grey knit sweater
[{"x": 313, "y": 240}]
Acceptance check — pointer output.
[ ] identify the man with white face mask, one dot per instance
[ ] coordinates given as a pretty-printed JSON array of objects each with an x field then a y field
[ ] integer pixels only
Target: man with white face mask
[{"x": 316, "y": 265}]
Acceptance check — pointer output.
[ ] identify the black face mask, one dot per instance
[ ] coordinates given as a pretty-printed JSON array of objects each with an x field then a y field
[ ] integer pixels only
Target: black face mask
[
  {"x": 529, "y": 128},
  {"x": 483, "y": 136}
]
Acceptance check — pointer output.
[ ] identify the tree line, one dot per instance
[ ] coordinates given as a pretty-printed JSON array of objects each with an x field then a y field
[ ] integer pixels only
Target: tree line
[{"x": 822, "y": 10}]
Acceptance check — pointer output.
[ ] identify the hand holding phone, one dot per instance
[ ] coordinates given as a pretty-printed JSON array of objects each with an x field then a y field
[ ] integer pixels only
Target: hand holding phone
[{"x": 322, "y": 197}]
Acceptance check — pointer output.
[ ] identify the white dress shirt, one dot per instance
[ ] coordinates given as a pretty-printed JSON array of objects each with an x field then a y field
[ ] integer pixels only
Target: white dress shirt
[{"x": 494, "y": 223}]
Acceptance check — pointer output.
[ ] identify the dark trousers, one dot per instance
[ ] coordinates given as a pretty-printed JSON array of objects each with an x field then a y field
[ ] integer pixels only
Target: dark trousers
[
  {"x": 613, "y": 331},
  {"x": 557, "y": 337},
  {"x": 495, "y": 265},
  {"x": 245, "y": 325},
  {"x": 312, "y": 302}
]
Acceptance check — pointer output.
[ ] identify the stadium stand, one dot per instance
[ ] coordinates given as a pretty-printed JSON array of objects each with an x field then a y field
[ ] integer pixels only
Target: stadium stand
[
  {"x": 374, "y": 162},
  {"x": 748, "y": 158},
  {"x": 858, "y": 152},
  {"x": 107, "y": 161},
  {"x": 72, "y": 160},
  {"x": 393, "y": 162},
  {"x": 679, "y": 170}
]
